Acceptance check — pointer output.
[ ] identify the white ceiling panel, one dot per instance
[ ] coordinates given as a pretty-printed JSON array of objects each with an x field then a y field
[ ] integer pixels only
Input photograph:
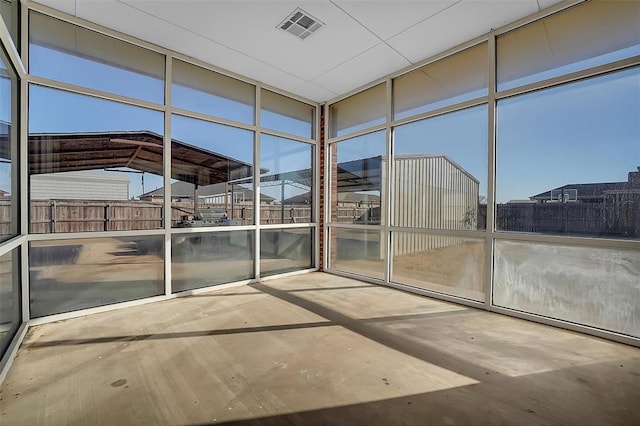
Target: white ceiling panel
[
  {"x": 543, "y": 4},
  {"x": 313, "y": 91},
  {"x": 250, "y": 27},
  {"x": 388, "y": 18},
  {"x": 364, "y": 68},
  {"x": 184, "y": 41},
  {"x": 462, "y": 22}
]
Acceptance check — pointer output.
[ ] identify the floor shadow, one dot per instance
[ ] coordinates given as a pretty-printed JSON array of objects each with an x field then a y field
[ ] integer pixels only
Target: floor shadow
[
  {"x": 577, "y": 396},
  {"x": 393, "y": 341}
]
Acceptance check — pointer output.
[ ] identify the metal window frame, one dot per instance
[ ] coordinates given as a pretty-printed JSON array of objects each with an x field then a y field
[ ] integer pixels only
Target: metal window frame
[{"x": 18, "y": 242}]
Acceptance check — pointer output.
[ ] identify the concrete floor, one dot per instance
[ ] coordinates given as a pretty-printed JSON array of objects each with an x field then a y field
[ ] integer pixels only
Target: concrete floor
[{"x": 316, "y": 349}]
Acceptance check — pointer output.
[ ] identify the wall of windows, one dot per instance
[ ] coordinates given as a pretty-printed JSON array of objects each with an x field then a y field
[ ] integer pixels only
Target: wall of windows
[
  {"x": 147, "y": 174},
  {"x": 504, "y": 175}
]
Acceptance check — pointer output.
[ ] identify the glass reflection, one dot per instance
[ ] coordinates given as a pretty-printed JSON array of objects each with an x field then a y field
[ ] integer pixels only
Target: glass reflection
[
  {"x": 363, "y": 110},
  {"x": 10, "y": 315},
  {"x": 286, "y": 180},
  {"x": 285, "y": 250},
  {"x": 9, "y": 12},
  {"x": 68, "y": 275},
  {"x": 441, "y": 263},
  {"x": 90, "y": 164},
  {"x": 206, "y": 259},
  {"x": 212, "y": 174},
  {"x": 8, "y": 150},
  {"x": 360, "y": 251},
  {"x": 598, "y": 287},
  {"x": 197, "y": 89},
  {"x": 66, "y": 52},
  {"x": 286, "y": 115},
  {"x": 457, "y": 78},
  {"x": 440, "y": 171},
  {"x": 587, "y": 35},
  {"x": 574, "y": 169},
  {"x": 357, "y": 179}
]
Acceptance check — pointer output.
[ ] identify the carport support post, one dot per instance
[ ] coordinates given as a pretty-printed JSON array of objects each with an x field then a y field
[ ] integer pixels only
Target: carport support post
[{"x": 282, "y": 201}]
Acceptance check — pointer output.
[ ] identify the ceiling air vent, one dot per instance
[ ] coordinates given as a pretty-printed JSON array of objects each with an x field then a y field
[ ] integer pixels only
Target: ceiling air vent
[{"x": 300, "y": 24}]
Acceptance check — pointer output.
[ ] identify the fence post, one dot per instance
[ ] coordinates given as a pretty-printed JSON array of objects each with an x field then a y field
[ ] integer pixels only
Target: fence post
[
  {"x": 107, "y": 216},
  {"x": 52, "y": 214}
]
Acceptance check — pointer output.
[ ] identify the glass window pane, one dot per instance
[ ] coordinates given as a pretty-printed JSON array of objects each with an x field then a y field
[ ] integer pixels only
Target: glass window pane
[
  {"x": 10, "y": 312},
  {"x": 91, "y": 163},
  {"x": 598, "y": 287},
  {"x": 9, "y": 13},
  {"x": 360, "y": 251},
  {"x": 213, "y": 164},
  {"x": 584, "y": 36},
  {"x": 360, "y": 111},
  {"x": 568, "y": 158},
  {"x": 357, "y": 179},
  {"x": 285, "y": 250},
  {"x": 286, "y": 115},
  {"x": 201, "y": 90},
  {"x": 210, "y": 258},
  {"x": 9, "y": 199},
  {"x": 68, "y": 275},
  {"x": 441, "y": 263},
  {"x": 68, "y": 53},
  {"x": 286, "y": 180},
  {"x": 440, "y": 171},
  {"x": 451, "y": 80}
]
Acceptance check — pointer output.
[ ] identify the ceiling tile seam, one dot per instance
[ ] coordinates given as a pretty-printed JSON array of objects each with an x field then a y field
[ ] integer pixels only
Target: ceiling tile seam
[
  {"x": 425, "y": 19},
  {"x": 370, "y": 31},
  {"x": 316, "y": 85},
  {"x": 210, "y": 40},
  {"x": 349, "y": 60}
]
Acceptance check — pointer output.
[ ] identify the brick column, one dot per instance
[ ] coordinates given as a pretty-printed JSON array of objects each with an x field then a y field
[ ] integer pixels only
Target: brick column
[{"x": 321, "y": 201}]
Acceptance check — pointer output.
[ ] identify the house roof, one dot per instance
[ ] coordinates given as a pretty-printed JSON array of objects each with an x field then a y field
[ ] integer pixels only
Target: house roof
[{"x": 585, "y": 191}]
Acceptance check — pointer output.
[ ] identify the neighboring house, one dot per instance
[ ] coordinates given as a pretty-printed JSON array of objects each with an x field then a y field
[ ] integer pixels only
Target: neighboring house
[
  {"x": 608, "y": 209},
  {"x": 345, "y": 199},
  {"x": 590, "y": 192},
  {"x": 83, "y": 185},
  {"x": 218, "y": 193}
]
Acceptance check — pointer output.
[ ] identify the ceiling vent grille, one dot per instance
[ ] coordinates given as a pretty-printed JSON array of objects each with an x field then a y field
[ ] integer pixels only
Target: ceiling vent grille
[{"x": 300, "y": 24}]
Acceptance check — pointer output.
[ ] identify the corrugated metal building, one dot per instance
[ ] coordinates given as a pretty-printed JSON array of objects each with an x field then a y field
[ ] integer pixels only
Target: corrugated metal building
[
  {"x": 82, "y": 185},
  {"x": 432, "y": 191}
]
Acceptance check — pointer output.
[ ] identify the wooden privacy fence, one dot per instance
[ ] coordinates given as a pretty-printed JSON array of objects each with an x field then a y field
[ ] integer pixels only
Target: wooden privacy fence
[
  {"x": 5, "y": 216},
  {"x": 51, "y": 216},
  {"x": 620, "y": 218}
]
